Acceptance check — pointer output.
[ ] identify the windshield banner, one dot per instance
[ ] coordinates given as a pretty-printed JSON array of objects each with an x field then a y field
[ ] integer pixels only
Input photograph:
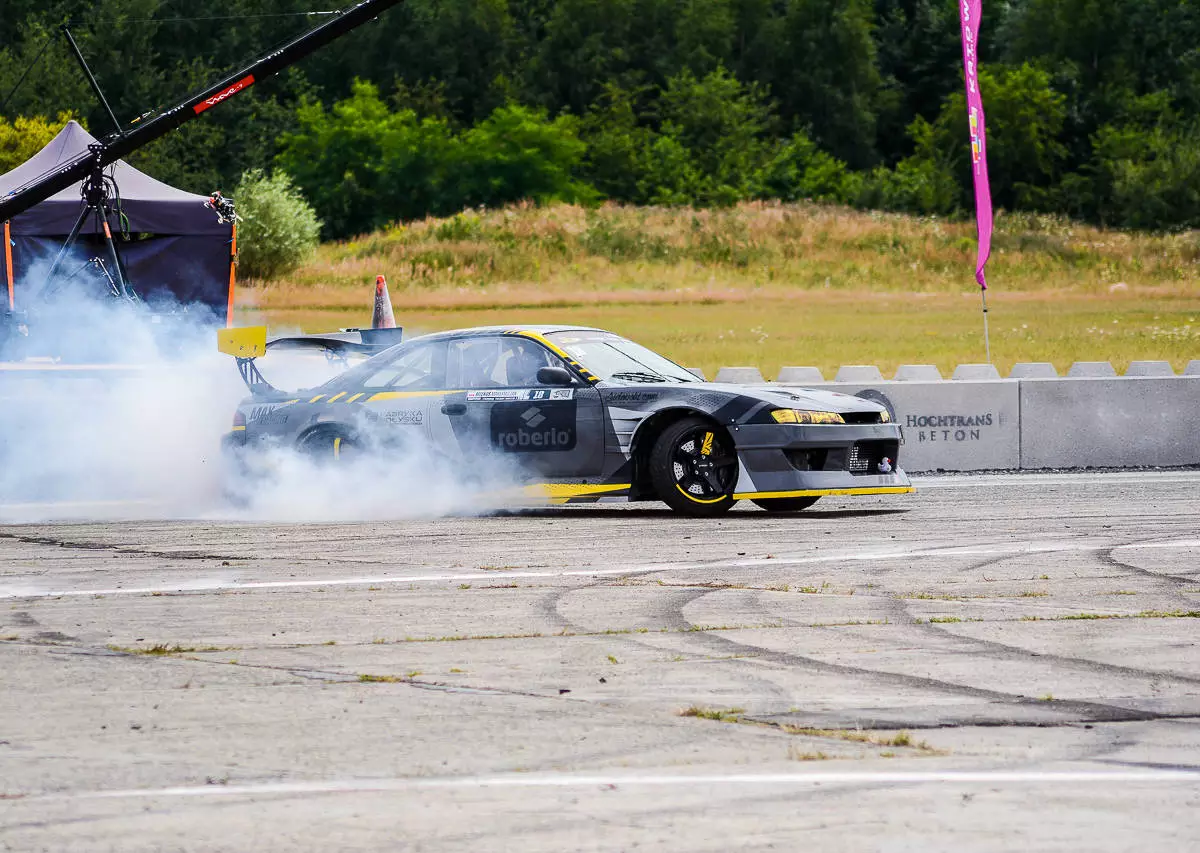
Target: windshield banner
[{"x": 969, "y": 11}]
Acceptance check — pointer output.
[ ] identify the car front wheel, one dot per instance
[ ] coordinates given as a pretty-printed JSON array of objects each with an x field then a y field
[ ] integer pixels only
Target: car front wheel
[{"x": 693, "y": 467}]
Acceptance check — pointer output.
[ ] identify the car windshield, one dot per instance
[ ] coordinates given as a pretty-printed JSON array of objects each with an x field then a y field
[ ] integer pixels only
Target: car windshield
[{"x": 616, "y": 359}]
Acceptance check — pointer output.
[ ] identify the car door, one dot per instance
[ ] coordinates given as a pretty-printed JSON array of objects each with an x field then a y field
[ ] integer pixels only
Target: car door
[
  {"x": 398, "y": 394},
  {"x": 498, "y": 407}
]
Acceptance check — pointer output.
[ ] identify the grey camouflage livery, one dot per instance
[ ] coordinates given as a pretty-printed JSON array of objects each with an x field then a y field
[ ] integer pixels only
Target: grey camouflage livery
[{"x": 584, "y": 414}]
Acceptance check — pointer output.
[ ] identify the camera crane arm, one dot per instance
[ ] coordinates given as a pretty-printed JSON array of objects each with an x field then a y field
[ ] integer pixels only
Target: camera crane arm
[{"x": 123, "y": 143}]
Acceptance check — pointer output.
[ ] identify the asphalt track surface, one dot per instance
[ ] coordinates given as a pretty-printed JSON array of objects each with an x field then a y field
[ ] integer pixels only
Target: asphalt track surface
[{"x": 516, "y": 682}]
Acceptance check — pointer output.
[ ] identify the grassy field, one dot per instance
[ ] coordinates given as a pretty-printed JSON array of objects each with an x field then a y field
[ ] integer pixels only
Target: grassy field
[{"x": 768, "y": 285}]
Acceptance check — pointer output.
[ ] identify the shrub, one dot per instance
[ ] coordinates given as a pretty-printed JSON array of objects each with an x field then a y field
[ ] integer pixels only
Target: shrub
[
  {"x": 279, "y": 229},
  {"x": 801, "y": 170}
]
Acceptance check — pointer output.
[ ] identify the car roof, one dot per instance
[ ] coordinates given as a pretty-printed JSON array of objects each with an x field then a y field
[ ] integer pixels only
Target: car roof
[{"x": 537, "y": 329}]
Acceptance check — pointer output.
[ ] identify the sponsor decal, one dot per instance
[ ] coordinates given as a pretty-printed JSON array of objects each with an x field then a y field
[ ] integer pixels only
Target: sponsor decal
[
  {"x": 227, "y": 92},
  {"x": 268, "y": 416},
  {"x": 618, "y": 397},
  {"x": 405, "y": 417},
  {"x": 955, "y": 428},
  {"x": 937, "y": 427},
  {"x": 508, "y": 395},
  {"x": 537, "y": 427}
]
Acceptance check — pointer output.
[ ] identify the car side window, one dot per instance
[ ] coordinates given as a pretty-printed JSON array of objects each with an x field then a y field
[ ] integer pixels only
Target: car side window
[
  {"x": 497, "y": 362},
  {"x": 421, "y": 368}
]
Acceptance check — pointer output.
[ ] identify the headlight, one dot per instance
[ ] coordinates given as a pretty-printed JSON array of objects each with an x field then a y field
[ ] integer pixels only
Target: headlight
[
  {"x": 885, "y": 417},
  {"x": 798, "y": 416}
]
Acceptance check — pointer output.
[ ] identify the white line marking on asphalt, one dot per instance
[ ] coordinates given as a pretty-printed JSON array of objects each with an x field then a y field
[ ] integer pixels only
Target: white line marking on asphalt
[
  {"x": 933, "y": 481},
  {"x": 224, "y": 583},
  {"x": 217, "y": 585},
  {"x": 534, "y": 780},
  {"x": 964, "y": 551}
]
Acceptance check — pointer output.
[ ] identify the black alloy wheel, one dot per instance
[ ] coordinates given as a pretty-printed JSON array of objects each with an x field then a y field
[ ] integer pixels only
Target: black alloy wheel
[
  {"x": 329, "y": 446},
  {"x": 693, "y": 467}
]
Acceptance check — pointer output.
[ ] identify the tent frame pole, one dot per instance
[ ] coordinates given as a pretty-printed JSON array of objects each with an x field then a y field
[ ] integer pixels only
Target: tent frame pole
[{"x": 8, "y": 269}]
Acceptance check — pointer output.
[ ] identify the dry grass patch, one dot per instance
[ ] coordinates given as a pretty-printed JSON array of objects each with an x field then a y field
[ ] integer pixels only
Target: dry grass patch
[
  {"x": 899, "y": 739},
  {"x": 769, "y": 284}
]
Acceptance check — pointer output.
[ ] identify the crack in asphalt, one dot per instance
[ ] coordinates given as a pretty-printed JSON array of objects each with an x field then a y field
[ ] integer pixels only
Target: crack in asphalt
[{"x": 54, "y": 542}]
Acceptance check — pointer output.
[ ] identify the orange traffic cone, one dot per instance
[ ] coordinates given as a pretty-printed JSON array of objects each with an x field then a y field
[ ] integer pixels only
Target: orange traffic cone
[{"x": 382, "y": 317}]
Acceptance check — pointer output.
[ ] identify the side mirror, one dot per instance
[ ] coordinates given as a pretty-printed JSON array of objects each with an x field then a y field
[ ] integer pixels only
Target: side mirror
[{"x": 554, "y": 376}]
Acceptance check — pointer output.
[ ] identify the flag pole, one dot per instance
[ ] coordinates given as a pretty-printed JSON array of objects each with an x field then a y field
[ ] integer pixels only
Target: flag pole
[{"x": 987, "y": 343}]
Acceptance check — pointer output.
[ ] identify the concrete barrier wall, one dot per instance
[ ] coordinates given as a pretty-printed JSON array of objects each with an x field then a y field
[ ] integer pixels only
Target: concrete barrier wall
[
  {"x": 1149, "y": 417},
  {"x": 1130, "y": 422}
]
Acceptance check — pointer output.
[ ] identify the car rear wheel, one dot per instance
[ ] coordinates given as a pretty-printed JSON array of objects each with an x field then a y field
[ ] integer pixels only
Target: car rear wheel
[
  {"x": 329, "y": 446},
  {"x": 785, "y": 504},
  {"x": 693, "y": 467}
]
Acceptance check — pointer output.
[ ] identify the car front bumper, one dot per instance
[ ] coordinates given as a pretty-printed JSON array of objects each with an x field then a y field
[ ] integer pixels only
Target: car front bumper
[{"x": 792, "y": 460}]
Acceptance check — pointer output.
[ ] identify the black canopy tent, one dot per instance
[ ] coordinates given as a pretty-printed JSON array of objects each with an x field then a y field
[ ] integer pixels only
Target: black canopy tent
[{"x": 176, "y": 245}]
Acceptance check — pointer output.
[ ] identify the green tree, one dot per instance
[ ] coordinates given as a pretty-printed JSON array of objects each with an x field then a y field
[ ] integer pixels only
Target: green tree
[
  {"x": 362, "y": 166},
  {"x": 920, "y": 63},
  {"x": 825, "y": 75},
  {"x": 617, "y": 138},
  {"x": 23, "y": 137},
  {"x": 586, "y": 45},
  {"x": 518, "y": 153},
  {"x": 1025, "y": 117},
  {"x": 722, "y": 125}
]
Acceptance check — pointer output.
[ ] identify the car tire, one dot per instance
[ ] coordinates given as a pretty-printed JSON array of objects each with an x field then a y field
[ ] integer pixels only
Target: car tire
[
  {"x": 329, "y": 446},
  {"x": 784, "y": 504},
  {"x": 693, "y": 467}
]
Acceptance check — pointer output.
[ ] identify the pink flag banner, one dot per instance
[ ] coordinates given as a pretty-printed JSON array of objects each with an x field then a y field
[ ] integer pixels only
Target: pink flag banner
[{"x": 969, "y": 11}]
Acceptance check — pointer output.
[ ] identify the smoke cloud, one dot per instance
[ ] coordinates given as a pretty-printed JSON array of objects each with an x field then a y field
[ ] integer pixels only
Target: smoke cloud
[{"x": 115, "y": 410}]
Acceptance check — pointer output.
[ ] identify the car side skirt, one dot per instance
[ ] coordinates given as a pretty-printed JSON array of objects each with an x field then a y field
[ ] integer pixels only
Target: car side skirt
[
  {"x": 561, "y": 493},
  {"x": 819, "y": 493}
]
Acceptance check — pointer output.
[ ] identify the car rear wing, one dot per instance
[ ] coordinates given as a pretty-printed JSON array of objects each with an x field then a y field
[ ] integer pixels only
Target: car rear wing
[{"x": 250, "y": 342}]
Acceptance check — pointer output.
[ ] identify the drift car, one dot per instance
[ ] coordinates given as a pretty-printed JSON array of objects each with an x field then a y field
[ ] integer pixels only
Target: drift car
[{"x": 584, "y": 414}]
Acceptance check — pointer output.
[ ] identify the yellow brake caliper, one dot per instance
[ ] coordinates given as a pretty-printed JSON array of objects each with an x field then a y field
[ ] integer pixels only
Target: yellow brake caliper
[{"x": 706, "y": 447}]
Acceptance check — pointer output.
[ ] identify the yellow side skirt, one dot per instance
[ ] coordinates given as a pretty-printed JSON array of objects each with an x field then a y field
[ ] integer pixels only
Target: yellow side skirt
[
  {"x": 560, "y": 493},
  {"x": 815, "y": 493}
]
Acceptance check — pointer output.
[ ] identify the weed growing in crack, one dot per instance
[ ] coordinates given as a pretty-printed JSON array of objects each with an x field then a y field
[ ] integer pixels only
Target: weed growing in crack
[
  {"x": 727, "y": 715},
  {"x": 796, "y": 755},
  {"x": 163, "y": 649}
]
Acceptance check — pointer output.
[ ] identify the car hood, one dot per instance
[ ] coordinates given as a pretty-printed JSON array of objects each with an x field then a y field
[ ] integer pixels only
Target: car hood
[{"x": 809, "y": 399}]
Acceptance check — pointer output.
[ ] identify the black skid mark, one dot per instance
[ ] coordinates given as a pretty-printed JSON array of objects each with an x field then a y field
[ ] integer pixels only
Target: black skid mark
[
  {"x": 1087, "y": 711},
  {"x": 1004, "y": 651},
  {"x": 115, "y": 549},
  {"x": 1109, "y": 558}
]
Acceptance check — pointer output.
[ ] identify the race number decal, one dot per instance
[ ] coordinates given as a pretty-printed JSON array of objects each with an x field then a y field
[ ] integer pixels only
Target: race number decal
[{"x": 502, "y": 395}]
